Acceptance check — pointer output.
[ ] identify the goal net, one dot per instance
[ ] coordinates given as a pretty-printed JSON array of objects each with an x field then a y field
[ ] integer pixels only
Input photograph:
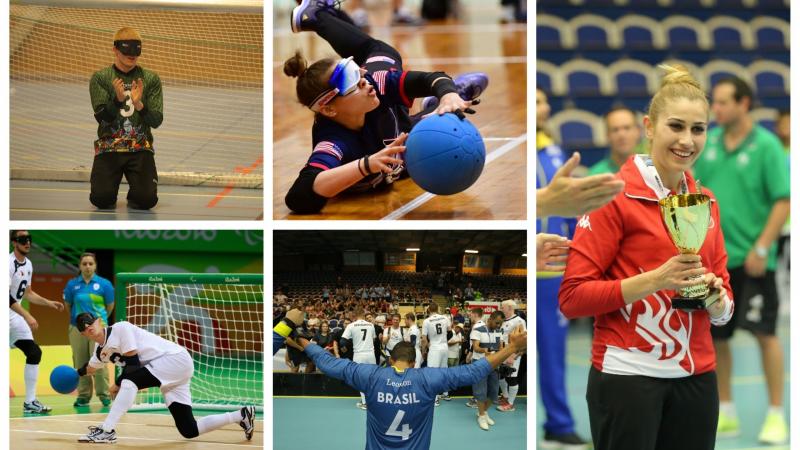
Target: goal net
[
  {"x": 218, "y": 318},
  {"x": 209, "y": 59}
]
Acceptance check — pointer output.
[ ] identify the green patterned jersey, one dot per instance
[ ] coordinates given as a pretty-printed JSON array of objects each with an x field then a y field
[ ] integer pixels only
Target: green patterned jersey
[{"x": 121, "y": 128}]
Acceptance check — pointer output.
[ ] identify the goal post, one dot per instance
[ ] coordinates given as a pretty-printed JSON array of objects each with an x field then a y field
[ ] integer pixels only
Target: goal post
[
  {"x": 218, "y": 318},
  {"x": 208, "y": 55}
]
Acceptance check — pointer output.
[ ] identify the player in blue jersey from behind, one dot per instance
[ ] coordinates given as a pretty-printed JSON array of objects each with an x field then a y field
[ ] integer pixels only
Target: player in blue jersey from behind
[{"x": 400, "y": 398}]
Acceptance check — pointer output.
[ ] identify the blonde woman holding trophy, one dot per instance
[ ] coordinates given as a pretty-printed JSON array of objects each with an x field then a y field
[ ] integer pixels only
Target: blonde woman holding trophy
[{"x": 650, "y": 267}]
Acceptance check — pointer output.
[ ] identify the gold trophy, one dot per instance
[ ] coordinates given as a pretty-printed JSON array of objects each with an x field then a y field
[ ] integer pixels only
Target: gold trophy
[{"x": 687, "y": 217}]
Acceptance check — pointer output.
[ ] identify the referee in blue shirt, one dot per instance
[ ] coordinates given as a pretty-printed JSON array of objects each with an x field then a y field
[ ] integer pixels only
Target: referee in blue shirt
[
  {"x": 90, "y": 293},
  {"x": 400, "y": 398}
]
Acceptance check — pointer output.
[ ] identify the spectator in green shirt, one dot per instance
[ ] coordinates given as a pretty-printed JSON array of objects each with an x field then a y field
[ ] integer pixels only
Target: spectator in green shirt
[
  {"x": 745, "y": 165},
  {"x": 623, "y": 137}
]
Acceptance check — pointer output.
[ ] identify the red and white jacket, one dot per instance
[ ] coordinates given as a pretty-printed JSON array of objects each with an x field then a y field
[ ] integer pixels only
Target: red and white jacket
[{"x": 624, "y": 238}]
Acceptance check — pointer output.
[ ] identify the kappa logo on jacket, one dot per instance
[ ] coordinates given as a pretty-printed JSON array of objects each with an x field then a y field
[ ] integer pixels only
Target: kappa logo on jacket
[{"x": 583, "y": 222}]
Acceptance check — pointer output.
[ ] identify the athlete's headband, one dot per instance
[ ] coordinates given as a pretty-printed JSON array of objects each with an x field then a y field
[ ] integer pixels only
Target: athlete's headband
[
  {"x": 129, "y": 47},
  {"x": 84, "y": 320},
  {"x": 343, "y": 81}
]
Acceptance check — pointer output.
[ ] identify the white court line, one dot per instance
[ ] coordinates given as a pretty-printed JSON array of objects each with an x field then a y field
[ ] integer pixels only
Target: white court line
[
  {"x": 476, "y": 60},
  {"x": 131, "y": 438},
  {"x": 380, "y": 32},
  {"x": 424, "y": 198}
]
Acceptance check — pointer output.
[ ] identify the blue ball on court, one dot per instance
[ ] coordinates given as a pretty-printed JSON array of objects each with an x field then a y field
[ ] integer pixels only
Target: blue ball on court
[
  {"x": 64, "y": 379},
  {"x": 444, "y": 154}
]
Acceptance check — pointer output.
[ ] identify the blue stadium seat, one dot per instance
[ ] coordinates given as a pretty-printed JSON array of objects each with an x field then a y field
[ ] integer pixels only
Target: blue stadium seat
[
  {"x": 631, "y": 78},
  {"x": 553, "y": 33},
  {"x": 717, "y": 69},
  {"x": 575, "y": 129},
  {"x": 549, "y": 78},
  {"x": 594, "y": 32},
  {"x": 640, "y": 32},
  {"x": 770, "y": 33},
  {"x": 586, "y": 78},
  {"x": 686, "y": 33},
  {"x": 765, "y": 117},
  {"x": 729, "y": 33},
  {"x": 770, "y": 78}
]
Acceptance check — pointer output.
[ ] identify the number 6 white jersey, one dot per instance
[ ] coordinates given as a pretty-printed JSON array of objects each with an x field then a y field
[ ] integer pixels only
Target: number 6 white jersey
[
  {"x": 20, "y": 275},
  {"x": 362, "y": 333},
  {"x": 434, "y": 328}
]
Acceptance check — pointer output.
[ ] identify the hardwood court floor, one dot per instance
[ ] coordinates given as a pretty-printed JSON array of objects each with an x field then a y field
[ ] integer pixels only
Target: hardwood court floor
[
  {"x": 135, "y": 430},
  {"x": 474, "y": 43}
]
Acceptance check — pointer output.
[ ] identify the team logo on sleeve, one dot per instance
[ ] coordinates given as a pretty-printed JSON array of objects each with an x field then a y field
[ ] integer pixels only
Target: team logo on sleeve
[{"x": 583, "y": 222}]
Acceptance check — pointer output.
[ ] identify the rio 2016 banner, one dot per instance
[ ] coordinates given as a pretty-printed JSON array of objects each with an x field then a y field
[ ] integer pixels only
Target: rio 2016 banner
[{"x": 227, "y": 241}]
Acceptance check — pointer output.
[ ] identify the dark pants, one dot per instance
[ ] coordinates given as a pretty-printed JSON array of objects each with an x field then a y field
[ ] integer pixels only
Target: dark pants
[
  {"x": 139, "y": 168},
  {"x": 643, "y": 413}
]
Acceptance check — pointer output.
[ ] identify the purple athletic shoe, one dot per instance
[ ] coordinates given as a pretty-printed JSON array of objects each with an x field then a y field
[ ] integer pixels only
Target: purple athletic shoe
[
  {"x": 470, "y": 86},
  {"x": 304, "y": 15}
]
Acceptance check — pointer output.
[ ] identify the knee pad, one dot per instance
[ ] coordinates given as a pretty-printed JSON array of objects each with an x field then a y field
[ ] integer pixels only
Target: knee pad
[
  {"x": 184, "y": 420},
  {"x": 142, "y": 200},
  {"x": 32, "y": 351},
  {"x": 103, "y": 201},
  {"x": 512, "y": 381}
]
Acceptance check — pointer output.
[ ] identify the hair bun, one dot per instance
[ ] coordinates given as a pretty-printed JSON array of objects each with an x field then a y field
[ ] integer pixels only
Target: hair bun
[
  {"x": 295, "y": 66},
  {"x": 678, "y": 74}
]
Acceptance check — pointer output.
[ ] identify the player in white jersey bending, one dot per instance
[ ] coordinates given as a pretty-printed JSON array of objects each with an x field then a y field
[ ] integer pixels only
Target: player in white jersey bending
[
  {"x": 413, "y": 336},
  {"x": 148, "y": 360},
  {"x": 434, "y": 339},
  {"x": 20, "y": 322},
  {"x": 361, "y": 334},
  {"x": 509, "y": 385}
]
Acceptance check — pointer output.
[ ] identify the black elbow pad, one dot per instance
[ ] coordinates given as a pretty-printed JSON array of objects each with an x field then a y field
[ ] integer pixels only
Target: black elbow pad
[{"x": 301, "y": 197}]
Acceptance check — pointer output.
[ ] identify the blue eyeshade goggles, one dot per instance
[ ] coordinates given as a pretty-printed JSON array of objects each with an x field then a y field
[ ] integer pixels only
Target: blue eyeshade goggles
[{"x": 343, "y": 81}]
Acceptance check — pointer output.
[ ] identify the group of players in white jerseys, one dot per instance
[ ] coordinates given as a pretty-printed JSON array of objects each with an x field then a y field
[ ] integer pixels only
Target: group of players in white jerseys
[
  {"x": 146, "y": 360},
  {"x": 432, "y": 340}
]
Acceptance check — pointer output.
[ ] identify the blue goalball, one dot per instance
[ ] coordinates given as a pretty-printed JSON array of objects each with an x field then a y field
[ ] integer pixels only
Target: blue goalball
[
  {"x": 444, "y": 154},
  {"x": 64, "y": 379}
]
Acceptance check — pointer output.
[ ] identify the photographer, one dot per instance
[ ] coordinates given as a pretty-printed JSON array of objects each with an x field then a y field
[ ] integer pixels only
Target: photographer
[{"x": 485, "y": 339}]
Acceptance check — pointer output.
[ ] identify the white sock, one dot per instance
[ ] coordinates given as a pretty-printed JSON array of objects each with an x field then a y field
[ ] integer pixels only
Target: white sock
[
  {"x": 512, "y": 394},
  {"x": 31, "y": 375},
  {"x": 728, "y": 408},
  {"x": 446, "y": 393},
  {"x": 363, "y": 398},
  {"x": 209, "y": 423},
  {"x": 504, "y": 388},
  {"x": 775, "y": 410},
  {"x": 121, "y": 404}
]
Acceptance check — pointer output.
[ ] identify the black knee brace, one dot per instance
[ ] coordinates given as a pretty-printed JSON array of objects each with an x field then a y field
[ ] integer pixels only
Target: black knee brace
[
  {"x": 33, "y": 354},
  {"x": 184, "y": 420},
  {"x": 512, "y": 381}
]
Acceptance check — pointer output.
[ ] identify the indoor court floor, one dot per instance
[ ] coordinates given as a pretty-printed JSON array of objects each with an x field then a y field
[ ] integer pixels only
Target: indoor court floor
[
  {"x": 64, "y": 200},
  {"x": 749, "y": 390},
  {"x": 476, "y": 42},
  {"x": 154, "y": 430},
  {"x": 454, "y": 425}
]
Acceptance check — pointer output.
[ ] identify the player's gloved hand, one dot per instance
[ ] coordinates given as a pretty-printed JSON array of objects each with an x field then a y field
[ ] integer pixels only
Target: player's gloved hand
[{"x": 294, "y": 317}]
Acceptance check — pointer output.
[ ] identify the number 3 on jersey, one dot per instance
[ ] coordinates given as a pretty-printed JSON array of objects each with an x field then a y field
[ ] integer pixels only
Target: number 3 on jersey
[{"x": 395, "y": 429}]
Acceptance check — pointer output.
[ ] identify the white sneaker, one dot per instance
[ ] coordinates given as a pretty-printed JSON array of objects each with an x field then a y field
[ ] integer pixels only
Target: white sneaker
[
  {"x": 360, "y": 18},
  {"x": 489, "y": 419},
  {"x": 361, "y": 405},
  {"x": 483, "y": 423},
  {"x": 97, "y": 434}
]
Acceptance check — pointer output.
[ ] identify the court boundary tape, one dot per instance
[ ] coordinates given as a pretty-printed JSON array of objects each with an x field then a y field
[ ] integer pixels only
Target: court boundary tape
[{"x": 424, "y": 198}]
